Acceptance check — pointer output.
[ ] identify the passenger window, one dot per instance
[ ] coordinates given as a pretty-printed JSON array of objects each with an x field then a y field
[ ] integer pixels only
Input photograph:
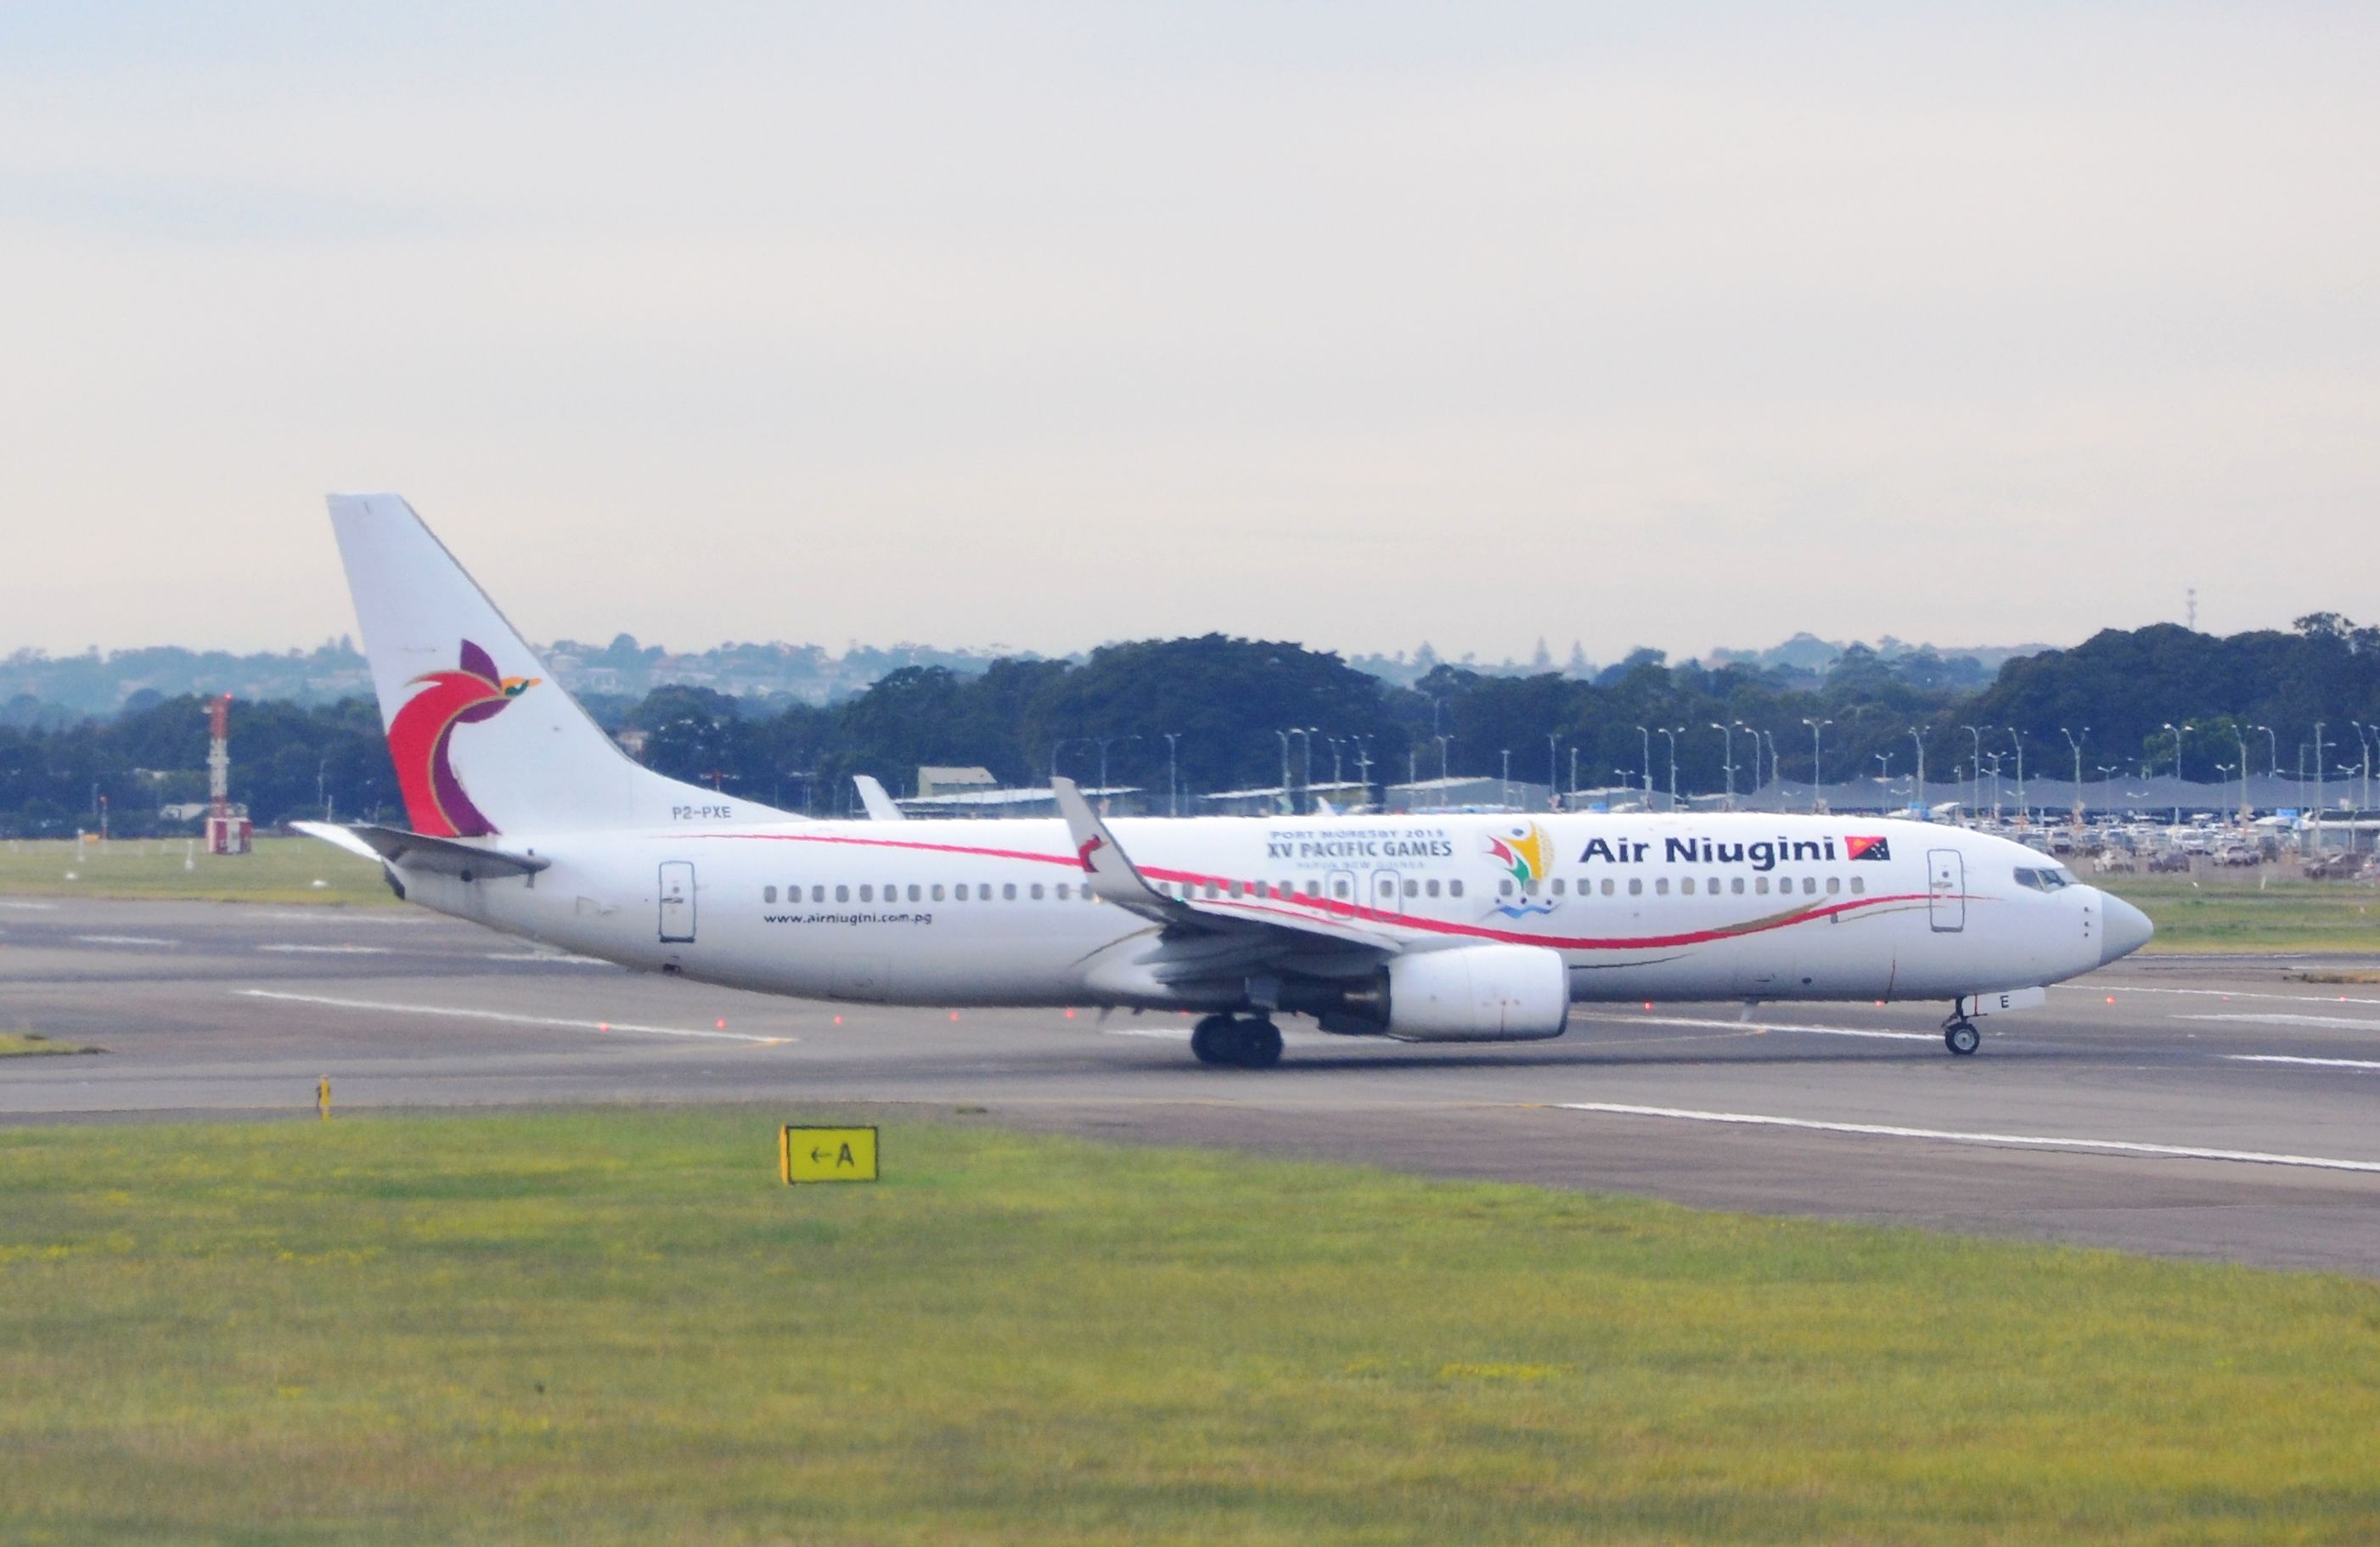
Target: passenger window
[
  {"x": 1858, "y": 886},
  {"x": 1413, "y": 888},
  {"x": 1036, "y": 891},
  {"x": 1661, "y": 886},
  {"x": 1232, "y": 887},
  {"x": 1686, "y": 887},
  {"x": 1558, "y": 886},
  {"x": 866, "y": 892},
  {"x": 1314, "y": 888},
  {"x": 1339, "y": 888},
  {"x": 842, "y": 893},
  {"x": 1455, "y": 888},
  {"x": 1636, "y": 886},
  {"x": 1809, "y": 887},
  {"x": 1065, "y": 892},
  {"x": 912, "y": 891},
  {"x": 1736, "y": 887},
  {"x": 1008, "y": 891},
  {"x": 1213, "y": 890},
  {"x": 768, "y": 894},
  {"x": 1760, "y": 884},
  {"x": 1433, "y": 888},
  {"x": 1606, "y": 886},
  {"x": 938, "y": 891},
  {"x": 818, "y": 893},
  {"x": 1834, "y": 885},
  {"x": 1504, "y": 887}
]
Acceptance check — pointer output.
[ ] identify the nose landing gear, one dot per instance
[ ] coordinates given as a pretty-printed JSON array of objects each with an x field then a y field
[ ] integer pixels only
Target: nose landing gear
[
  {"x": 1251, "y": 1042},
  {"x": 1959, "y": 1034}
]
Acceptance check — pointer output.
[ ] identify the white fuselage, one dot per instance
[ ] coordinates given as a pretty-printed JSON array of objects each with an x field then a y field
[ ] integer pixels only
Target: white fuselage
[{"x": 1641, "y": 906}]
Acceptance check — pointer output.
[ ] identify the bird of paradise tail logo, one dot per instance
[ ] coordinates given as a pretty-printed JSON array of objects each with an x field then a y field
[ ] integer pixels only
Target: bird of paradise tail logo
[
  {"x": 1520, "y": 849},
  {"x": 418, "y": 739}
]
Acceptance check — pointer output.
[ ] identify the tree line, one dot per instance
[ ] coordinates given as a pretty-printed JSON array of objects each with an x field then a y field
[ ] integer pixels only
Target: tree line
[{"x": 1228, "y": 712}]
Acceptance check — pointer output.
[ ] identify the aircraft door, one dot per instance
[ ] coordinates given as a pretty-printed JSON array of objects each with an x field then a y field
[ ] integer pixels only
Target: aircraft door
[
  {"x": 677, "y": 902},
  {"x": 1384, "y": 893},
  {"x": 1946, "y": 889},
  {"x": 1339, "y": 892}
]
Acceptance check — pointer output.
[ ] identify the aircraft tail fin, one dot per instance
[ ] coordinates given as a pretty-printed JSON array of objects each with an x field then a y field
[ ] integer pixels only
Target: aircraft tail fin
[{"x": 484, "y": 739}]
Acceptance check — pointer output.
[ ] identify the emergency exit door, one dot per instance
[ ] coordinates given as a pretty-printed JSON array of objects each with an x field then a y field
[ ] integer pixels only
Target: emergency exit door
[
  {"x": 1946, "y": 888},
  {"x": 677, "y": 902}
]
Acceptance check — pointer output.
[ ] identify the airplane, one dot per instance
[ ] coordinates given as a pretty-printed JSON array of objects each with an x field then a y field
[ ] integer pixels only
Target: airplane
[{"x": 1426, "y": 928}]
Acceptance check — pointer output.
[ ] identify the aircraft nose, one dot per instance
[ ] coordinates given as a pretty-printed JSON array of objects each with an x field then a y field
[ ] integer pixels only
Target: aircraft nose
[{"x": 2123, "y": 928}]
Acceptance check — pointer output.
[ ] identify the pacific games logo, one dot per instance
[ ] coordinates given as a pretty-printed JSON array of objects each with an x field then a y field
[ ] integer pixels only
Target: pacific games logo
[
  {"x": 420, "y": 734},
  {"x": 1520, "y": 849}
]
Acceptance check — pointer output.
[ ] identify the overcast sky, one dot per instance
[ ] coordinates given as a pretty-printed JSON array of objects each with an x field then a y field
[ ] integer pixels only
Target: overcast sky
[{"x": 1043, "y": 325}]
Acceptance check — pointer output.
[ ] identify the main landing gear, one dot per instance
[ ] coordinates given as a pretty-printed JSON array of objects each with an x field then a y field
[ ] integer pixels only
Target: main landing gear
[
  {"x": 1959, "y": 1034},
  {"x": 1249, "y": 1042}
]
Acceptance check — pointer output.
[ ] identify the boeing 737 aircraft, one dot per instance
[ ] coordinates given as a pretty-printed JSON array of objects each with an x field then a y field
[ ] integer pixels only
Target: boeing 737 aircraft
[{"x": 1461, "y": 928}]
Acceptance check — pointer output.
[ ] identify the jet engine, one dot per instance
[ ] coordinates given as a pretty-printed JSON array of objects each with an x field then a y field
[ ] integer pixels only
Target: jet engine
[{"x": 1472, "y": 993}]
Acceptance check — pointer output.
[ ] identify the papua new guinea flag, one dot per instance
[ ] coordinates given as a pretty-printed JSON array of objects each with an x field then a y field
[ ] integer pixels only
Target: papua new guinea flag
[{"x": 1866, "y": 848}]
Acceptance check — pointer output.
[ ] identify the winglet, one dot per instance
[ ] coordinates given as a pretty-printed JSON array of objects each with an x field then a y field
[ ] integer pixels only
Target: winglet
[
  {"x": 1113, "y": 876},
  {"x": 880, "y": 805}
]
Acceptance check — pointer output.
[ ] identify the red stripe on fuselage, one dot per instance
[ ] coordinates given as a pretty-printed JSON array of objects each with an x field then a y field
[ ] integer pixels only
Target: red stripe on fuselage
[{"x": 1322, "y": 907}]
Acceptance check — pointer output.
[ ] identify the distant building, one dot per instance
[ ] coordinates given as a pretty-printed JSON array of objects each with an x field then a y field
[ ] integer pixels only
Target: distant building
[
  {"x": 932, "y": 781},
  {"x": 1114, "y": 799},
  {"x": 1466, "y": 794}
]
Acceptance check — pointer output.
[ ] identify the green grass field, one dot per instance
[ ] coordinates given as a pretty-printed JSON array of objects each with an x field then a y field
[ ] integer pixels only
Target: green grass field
[
  {"x": 618, "y": 1327},
  {"x": 281, "y": 871},
  {"x": 2227, "y": 911},
  {"x": 33, "y": 1044}
]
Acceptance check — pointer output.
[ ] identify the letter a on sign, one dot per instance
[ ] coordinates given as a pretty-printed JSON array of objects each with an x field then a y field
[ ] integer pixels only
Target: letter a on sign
[{"x": 826, "y": 1154}]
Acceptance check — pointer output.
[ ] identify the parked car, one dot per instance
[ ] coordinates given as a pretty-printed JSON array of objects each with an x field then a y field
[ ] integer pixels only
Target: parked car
[
  {"x": 2168, "y": 860},
  {"x": 2109, "y": 860}
]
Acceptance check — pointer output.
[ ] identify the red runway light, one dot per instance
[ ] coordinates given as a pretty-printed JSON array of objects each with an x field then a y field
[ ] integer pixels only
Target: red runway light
[
  {"x": 954, "y": 1015},
  {"x": 722, "y": 1026}
]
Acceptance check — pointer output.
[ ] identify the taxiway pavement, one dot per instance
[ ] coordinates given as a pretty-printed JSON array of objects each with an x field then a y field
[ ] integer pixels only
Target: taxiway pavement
[{"x": 2224, "y": 1108}]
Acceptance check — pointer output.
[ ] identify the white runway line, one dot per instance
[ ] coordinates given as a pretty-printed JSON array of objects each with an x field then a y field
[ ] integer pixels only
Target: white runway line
[
  {"x": 345, "y": 916},
  {"x": 505, "y": 1018},
  {"x": 31, "y": 907},
  {"x": 1765, "y": 1026},
  {"x": 2215, "y": 994},
  {"x": 330, "y": 950},
  {"x": 2354, "y": 1023},
  {"x": 1882, "y": 1130},
  {"x": 563, "y": 958},
  {"x": 125, "y": 940},
  {"x": 2284, "y": 1058}
]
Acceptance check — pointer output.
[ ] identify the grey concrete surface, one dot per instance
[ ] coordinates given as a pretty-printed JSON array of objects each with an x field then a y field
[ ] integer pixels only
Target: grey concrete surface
[{"x": 218, "y": 1008}]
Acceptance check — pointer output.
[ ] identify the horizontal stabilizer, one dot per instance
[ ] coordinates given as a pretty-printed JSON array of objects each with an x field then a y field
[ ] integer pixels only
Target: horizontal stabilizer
[{"x": 414, "y": 851}]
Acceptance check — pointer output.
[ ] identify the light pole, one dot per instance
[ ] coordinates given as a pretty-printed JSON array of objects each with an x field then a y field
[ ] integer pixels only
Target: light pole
[
  {"x": 1553, "y": 770},
  {"x": 1776, "y": 769},
  {"x": 1173, "y": 781},
  {"x": 1573, "y": 772},
  {"x": 1729, "y": 764},
  {"x": 2076, "y": 742},
  {"x": 1818, "y": 776},
  {"x": 2177, "y": 766},
  {"x": 1443, "y": 743},
  {"x": 1670, "y": 734},
  {"x": 1648, "y": 766},
  {"x": 2320, "y": 746},
  {"x": 2023, "y": 810},
  {"x": 1504, "y": 793},
  {"x": 1364, "y": 765},
  {"x": 1287, "y": 805},
  {"x": 1917, "y": 797},
  {"x": 1755, "y": 757},
  {"x": 1977, "y": 732},
  {"x": 2366, "y": 747}
]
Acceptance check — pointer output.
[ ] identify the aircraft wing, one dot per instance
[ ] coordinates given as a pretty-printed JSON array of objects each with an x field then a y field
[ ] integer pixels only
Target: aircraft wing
[
  {"x": 1113, "y": 877},
  {"x": 879, "y": 804},
  {"x": 417, "y": 851}
]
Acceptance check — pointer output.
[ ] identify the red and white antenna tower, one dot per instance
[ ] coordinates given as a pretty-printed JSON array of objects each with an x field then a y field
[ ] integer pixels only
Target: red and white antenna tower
[{"x": 225, "y": 833}]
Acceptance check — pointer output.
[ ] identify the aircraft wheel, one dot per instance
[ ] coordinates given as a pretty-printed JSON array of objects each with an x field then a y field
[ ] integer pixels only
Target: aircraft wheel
[
  {"x": 1214, "y": 1040},
  {"x": 1961, "y": 1038},
  {"x": 1260, "y": 1044}
]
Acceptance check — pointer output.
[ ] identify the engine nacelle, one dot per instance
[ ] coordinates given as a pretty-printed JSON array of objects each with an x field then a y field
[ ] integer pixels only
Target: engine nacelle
[{"x": 1478, "y": 993}]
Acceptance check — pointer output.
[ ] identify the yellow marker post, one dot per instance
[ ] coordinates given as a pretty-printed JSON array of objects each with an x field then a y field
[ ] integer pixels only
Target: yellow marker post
[
  {"x": 322, "y": 1098},
  {"x": 826, "y": 1154}
]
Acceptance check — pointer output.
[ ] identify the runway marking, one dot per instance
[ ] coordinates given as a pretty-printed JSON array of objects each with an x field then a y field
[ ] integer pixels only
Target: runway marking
[
  {"x": 2220, "y": 993},
  {"x": 1766, "y": 1026},
  {"x": 2355, "y": 1023},
  {"x": 504, "y": 1016},
  {"x": 2284, "y": 1058},
  {"x": 566, "y": 959},
  {"x": 330, "y": 950},
  {"x": 1884, "y": 1130},
  {"x": 125, "y": 940},
  {"x": 344, "y": 916},
  {"x": 31, "y": 907}
]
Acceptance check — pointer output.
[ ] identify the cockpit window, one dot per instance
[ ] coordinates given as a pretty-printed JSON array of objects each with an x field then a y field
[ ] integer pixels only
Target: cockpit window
[{"x": 2048, "y": 879}]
